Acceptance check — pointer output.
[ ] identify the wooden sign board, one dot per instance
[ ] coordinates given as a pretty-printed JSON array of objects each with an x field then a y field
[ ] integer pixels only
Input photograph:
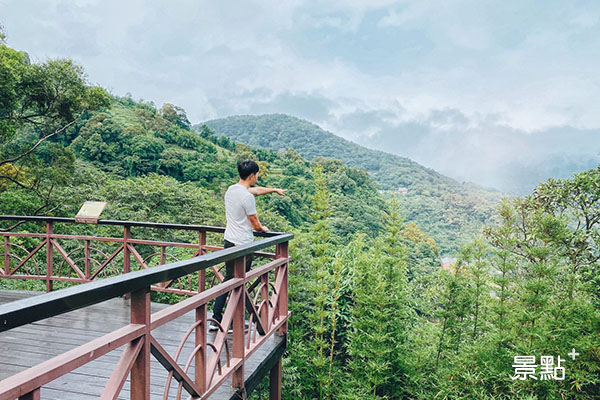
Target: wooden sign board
[{"x": 90, "y": 212}]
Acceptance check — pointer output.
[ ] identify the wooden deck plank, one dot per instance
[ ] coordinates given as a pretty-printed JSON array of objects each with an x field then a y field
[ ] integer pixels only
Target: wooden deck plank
[{"x": 31, "y": 344}]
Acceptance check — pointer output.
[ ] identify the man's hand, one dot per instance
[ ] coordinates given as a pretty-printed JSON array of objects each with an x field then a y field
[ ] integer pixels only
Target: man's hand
[
  {"x": 280, "y": 192},
  {"x": 256, "y": 225}
]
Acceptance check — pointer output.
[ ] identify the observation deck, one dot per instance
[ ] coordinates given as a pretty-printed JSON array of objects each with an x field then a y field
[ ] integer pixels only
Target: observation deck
[{"x": 100, "y": 336}]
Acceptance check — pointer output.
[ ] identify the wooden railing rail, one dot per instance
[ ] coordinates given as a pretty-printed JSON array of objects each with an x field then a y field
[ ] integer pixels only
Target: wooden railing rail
[
  {"x": 266, "y": 309},
  {"x": 88, "y": 261},
  {"x": 205, "y": 228}
]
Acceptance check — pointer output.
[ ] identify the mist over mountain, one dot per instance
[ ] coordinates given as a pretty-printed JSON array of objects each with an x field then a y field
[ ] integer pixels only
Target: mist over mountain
[{"x": 509, "y": 160}]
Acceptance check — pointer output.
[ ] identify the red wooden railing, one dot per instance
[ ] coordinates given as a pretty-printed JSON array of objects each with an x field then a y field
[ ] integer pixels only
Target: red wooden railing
[
  {"x": 86, "y": 261},
  {"x": 260, "y": 292}
]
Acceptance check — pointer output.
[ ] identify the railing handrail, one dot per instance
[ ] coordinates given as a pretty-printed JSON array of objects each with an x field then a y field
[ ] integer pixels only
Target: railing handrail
[
  {"x": 36, "y": 308},
  {"x": 204, "y": 228}
]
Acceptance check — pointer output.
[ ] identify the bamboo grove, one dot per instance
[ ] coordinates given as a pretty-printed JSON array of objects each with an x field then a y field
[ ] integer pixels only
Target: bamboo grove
[{"x": 371, "y": 321}]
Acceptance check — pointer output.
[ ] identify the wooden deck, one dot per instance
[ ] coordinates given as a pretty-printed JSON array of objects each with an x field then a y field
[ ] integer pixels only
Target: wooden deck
[{"x": 28, "y": 345}]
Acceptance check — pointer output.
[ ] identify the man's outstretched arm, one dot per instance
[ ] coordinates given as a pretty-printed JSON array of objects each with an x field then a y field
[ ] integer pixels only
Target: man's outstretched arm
[{"x": 259, "y": 191}]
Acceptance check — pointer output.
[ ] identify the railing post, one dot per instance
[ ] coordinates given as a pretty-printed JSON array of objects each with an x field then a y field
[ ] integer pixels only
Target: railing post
[
  {"x": 163, "y": 255},
  {"x": 126, "y": 252},
  {"x": 140, "y": 372},
  {"x": 49, "y": 256},
  {"x": 33, "y": 395},
  {"x": 282, "y": 252},
  {"x": 275, "y": 381},
  {"x": 200, "y": 362},
  {"x": 264, "y": 317},
  {"x": 238, "y": 324},
  {"x": 6, "y": 255},
  {"x": 87, "y": 259},
  {"x": 201, "y": 273}
]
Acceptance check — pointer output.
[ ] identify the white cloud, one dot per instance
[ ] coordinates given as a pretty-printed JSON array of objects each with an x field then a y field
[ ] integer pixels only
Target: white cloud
[{"x": 214, "y": 49}]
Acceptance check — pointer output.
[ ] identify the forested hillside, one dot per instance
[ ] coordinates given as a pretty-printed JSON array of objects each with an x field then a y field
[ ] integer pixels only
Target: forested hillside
[
  {"x": 448, "y": 211},
  {"x": 153, "y": 167}
]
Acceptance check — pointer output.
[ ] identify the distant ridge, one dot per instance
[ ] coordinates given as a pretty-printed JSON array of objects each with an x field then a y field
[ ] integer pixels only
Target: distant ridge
[
  {"x": 449, "y": 211},
  {"x": 281, "y": 131}
]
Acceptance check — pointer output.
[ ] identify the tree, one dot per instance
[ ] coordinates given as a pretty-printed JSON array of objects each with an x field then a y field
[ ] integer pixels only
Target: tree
[
  {"x": 475, "y": 256},
  {"x": 100, "y": 139},
  {"x": 37, "y": 103},
  {"x": 47, "y": 97},
  {"x": 382, "y": 316},
  {"x": 321, "y": 281},
  {"x": 574, "y": 205},
  {"x": 175, "y": 115}
]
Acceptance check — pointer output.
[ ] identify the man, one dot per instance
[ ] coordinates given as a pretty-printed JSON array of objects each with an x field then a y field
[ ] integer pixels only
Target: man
[{"x": 240, "y": 211}]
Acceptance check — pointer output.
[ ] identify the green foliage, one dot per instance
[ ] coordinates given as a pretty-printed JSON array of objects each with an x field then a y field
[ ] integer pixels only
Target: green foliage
[
  {"x": 525, "y": 294},
  {"x": 454, "y": 334},
  {"x": 422, "y": 257},
  {"x": 45, "y": 96},
  {"x": 175, "y": 115},
  {"x": 322, "y": 282},
  {"x": 38, "y": 102},
  {"x": 99, "y": 139},
  {"x": 314, "y": 361},
  {"x": 382, "y": 316}
]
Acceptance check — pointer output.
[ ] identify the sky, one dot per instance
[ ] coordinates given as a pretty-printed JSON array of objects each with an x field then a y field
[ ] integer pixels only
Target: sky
[{"x": 481, "y": 91}]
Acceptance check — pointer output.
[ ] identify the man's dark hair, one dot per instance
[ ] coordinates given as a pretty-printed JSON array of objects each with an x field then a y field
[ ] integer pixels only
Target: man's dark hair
[{"x": 247, "y": 168}]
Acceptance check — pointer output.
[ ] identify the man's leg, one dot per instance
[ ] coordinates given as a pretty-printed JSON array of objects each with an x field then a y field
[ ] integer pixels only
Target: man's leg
[
  {"x": 220, "y": 301},
  {"x": 248, "y": 262}
]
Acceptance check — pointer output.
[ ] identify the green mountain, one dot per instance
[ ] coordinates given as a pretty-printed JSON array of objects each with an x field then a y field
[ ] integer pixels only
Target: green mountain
[{"x": 449, "y": 211}]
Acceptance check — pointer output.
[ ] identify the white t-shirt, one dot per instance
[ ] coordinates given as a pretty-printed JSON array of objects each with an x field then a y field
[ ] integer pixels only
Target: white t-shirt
[{"x": 239, "y": 203}]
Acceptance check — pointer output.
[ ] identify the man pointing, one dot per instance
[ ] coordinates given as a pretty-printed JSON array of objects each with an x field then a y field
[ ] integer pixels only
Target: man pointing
[{"x": 240, "y": 211}]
